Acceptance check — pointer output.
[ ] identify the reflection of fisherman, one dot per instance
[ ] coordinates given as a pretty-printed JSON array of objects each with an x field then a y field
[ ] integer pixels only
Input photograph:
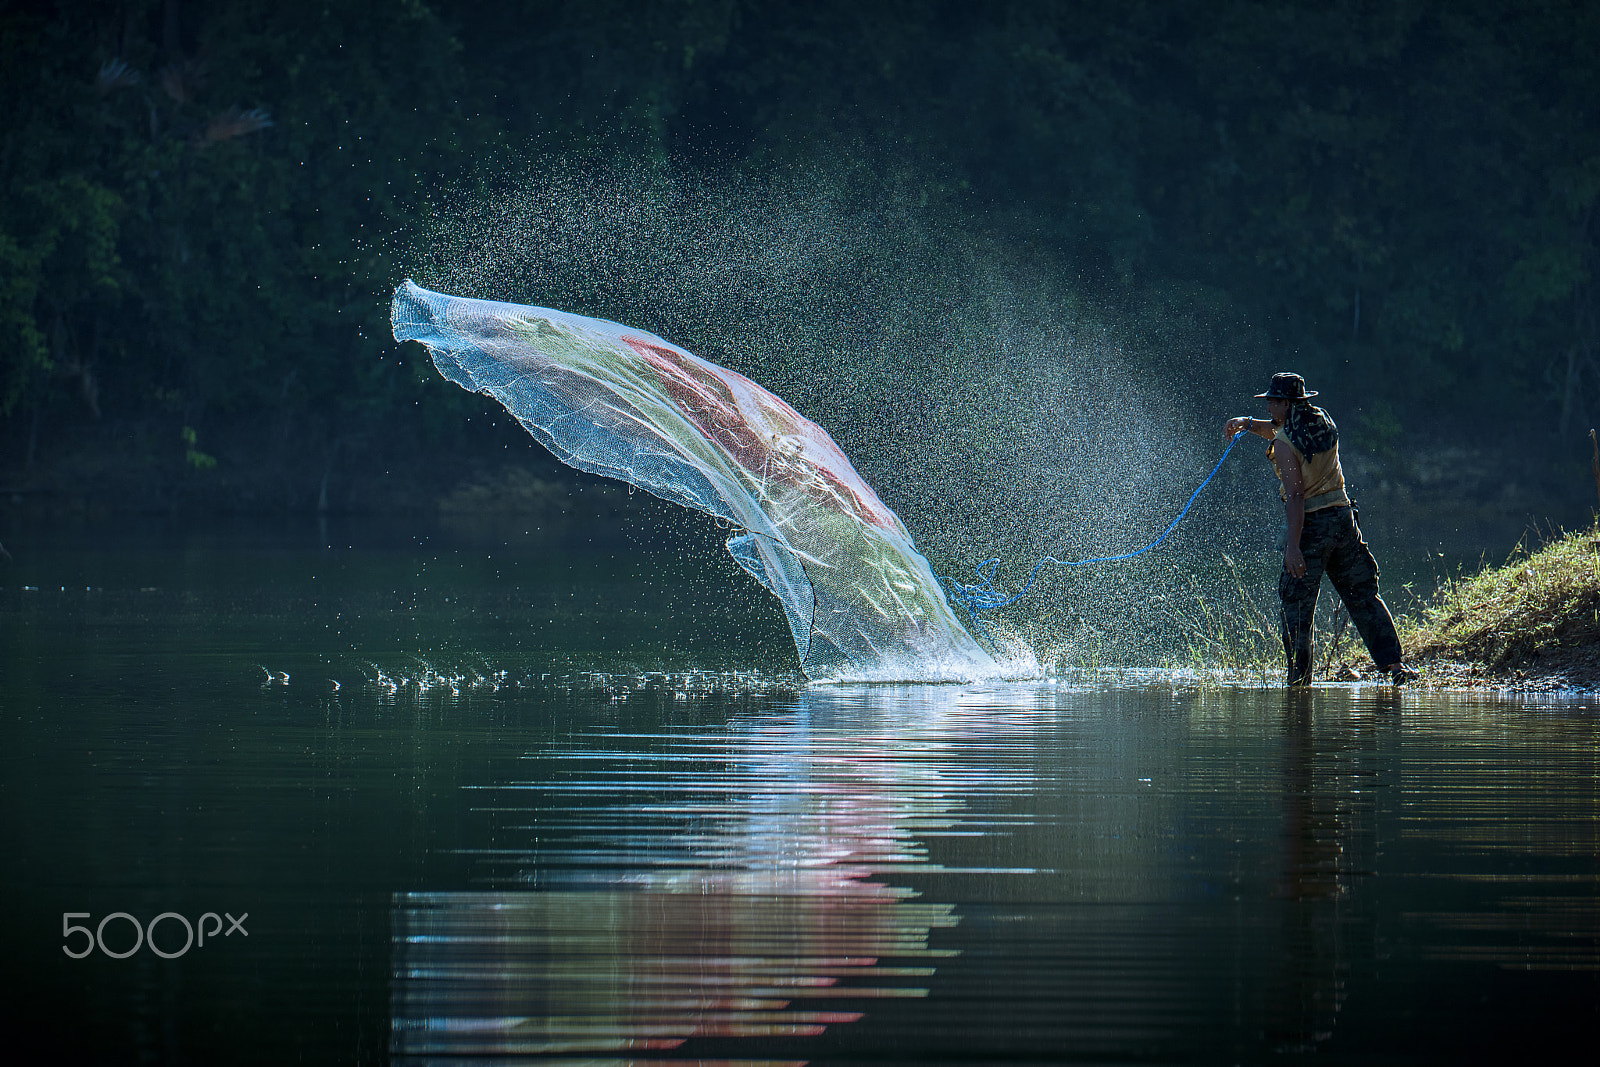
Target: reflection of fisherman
[{"x": 1322, "y": 531}]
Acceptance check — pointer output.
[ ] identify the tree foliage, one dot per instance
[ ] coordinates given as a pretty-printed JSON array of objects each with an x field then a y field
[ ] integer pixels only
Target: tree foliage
[{"x": 195, "y": 196}]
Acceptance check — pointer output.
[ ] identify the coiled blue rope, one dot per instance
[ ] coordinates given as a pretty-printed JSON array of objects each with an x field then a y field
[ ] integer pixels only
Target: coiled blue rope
[{"x": 983, "y": 596}]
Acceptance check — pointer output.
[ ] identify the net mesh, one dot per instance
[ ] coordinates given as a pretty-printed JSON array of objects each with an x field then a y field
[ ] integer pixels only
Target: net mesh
[{"x": 860, "y": 599}]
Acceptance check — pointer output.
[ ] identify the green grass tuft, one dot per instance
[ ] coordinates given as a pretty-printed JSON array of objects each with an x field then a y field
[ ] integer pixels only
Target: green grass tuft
[{"x": 1540, "y": 612}]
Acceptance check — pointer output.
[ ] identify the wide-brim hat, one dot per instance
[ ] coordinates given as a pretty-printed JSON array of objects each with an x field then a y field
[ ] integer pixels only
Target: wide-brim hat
[{"x": 1287, "y": 387}]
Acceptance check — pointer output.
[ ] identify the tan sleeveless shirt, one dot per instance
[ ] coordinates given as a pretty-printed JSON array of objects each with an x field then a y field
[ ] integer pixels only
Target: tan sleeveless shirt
[{"x": 1322, "y": 478}]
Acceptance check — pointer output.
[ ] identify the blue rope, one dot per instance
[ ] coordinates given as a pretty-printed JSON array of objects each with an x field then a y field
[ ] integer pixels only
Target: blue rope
[{"x": 984, "y": 597}]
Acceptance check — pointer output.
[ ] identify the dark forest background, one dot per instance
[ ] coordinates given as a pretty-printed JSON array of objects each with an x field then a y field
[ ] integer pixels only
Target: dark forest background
[{"x": 200, "y": 203}]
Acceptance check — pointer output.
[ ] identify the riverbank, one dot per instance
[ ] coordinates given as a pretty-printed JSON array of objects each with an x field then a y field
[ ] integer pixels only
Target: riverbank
[{"x": 1532, "y": 623}]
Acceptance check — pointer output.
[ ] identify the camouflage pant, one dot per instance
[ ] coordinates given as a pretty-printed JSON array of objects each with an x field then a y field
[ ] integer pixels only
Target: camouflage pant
[{"x": 1331, "y": 542}]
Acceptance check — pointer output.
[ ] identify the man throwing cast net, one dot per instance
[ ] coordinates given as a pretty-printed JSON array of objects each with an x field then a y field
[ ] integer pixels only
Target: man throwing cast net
[{"x": 1322, "y": 534}]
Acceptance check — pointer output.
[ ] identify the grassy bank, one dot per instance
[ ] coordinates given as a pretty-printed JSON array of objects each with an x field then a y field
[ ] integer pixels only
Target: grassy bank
[
  {"x": 1532, "y": 622},
  {"x": 1536, "y": 618}
]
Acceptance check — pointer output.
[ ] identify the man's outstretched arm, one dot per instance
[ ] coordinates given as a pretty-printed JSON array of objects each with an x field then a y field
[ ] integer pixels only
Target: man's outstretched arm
[{"x": 1260, "y": 427}]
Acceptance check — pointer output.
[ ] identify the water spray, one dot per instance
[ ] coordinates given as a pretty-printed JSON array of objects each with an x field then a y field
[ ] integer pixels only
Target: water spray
[{"x": 983, "y": 596}]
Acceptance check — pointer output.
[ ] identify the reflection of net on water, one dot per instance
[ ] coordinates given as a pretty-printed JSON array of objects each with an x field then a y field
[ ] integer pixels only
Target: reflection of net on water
[
  {"x": 694, "y": 891},
  {"x": 860, "y": 599},
  {"x": 564, "y": 973}
]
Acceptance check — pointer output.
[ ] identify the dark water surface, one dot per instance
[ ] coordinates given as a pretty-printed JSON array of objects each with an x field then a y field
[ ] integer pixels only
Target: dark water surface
[{"x": 521, "y": 797}]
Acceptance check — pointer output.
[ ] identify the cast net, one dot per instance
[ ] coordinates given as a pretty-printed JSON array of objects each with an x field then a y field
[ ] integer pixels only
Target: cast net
[{"x": 860, "y": 599}]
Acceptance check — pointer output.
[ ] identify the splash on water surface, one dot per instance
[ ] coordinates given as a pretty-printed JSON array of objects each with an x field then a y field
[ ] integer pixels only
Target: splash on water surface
[{"x": 861, "y": 601}]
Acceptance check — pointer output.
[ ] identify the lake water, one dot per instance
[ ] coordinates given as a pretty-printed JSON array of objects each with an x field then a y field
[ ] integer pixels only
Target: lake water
[{"x": 501, "y": 795}]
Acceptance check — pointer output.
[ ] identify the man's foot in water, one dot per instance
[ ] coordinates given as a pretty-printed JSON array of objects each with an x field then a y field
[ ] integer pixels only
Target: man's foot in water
[{"x": 1398, "y": 673}]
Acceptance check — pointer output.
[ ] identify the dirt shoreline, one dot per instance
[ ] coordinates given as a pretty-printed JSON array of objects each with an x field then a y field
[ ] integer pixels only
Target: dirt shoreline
[
  {"x": 1443, "y": 674},
  {"x": 1532, "y": 624}
]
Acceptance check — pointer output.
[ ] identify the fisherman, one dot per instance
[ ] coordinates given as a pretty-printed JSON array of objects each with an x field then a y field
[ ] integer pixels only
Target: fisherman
[{"x": 1322, "y": 532}]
